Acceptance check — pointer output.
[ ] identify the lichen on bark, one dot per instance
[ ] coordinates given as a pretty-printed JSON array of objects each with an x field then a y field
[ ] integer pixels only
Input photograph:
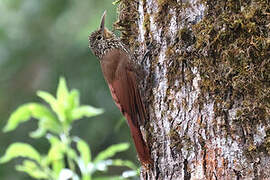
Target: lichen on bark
[{"x": 236, "y": 68}]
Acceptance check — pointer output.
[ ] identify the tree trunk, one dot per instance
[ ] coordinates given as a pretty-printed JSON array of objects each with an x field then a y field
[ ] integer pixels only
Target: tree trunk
[{"x": 207, "y": 85}]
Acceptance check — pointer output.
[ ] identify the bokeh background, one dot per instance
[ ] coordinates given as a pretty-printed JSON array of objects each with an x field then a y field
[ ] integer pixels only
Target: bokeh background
[{"x": 41, "y": 40}]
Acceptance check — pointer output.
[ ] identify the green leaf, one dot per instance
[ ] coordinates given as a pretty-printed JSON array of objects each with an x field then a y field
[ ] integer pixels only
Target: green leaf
[
  {"x": 20, "y": 115},
  {"x": 25, "y": 112},
  {"x": 56, "y": 107},
  {"x": 73, "y": 102},
  {"x": 47, "y": 97},
  {"x": 40, "y": 111},
  {"x": 32, "y": 169},
  {"x": 62, "y": 92},
  {"x": 44, "y": 125},
  {"x": 66, "y": 100},
  {"x": 47, "y": 119},
  {"x": 85, "y": 158},
  {"x": 87, "y": 111},
  {"x": 111, "y": 151},
  {"x": 120, "y": 162},
  {"x": 38, "y": 132},
  {"x": 74, "y": 99},
  {"x": 84, "y": 151},
  {"x": 20, "y": 150}
]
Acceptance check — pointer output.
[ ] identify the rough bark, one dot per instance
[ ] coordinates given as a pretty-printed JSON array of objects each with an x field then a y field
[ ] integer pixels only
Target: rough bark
[{"x": 207, "y": 85}]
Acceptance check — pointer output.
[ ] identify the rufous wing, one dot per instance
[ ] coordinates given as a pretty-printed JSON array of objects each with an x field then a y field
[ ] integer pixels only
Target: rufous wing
[{"x": 125, "y": 92}]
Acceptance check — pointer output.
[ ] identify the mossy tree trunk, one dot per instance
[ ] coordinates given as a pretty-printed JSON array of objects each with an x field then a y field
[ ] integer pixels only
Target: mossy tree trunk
[{"x": 207, "y": 85}]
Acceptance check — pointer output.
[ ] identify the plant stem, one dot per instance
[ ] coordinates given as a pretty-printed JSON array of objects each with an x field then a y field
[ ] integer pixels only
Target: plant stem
[{"x": 67, "y": 140}]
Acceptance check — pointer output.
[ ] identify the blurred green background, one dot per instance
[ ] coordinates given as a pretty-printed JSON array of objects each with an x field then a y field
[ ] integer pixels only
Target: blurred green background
[{"x": 41, "y": 40}]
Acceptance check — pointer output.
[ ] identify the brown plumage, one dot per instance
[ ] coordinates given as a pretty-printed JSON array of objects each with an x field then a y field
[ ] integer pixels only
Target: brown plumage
[{"x": 119, "y": 72}]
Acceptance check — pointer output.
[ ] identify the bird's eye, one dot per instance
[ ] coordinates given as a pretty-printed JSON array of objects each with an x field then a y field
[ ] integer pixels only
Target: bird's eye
[{"x": 99, "y": 37}]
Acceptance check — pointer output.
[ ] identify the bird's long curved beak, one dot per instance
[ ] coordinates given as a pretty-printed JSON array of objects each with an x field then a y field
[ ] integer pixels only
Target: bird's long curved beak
[{"x": 102, "y": 23}]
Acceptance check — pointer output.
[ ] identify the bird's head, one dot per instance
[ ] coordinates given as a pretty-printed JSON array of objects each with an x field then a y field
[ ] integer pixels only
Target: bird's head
[{"x": 98, "y": 40}]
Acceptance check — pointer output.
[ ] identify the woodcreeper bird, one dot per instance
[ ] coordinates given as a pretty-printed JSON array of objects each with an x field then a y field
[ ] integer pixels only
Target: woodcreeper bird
[{"x": 120, "y": 73}]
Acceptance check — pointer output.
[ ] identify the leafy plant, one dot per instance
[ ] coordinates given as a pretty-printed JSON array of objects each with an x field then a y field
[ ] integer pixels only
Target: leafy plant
[{"x": 62, "y": 161}]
